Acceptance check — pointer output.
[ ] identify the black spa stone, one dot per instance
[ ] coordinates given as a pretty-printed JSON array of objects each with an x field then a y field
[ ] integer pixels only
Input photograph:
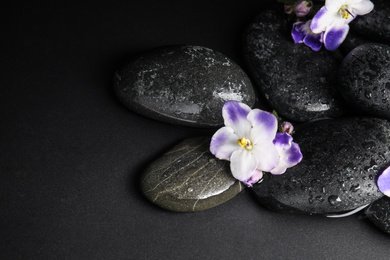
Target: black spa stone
[
  {"x": 184, "y": 85},
  {"x": 375, "y": 24},
  {"x": 189, "y": 178},
  {"x": 364, "y": 78},
  {"x": 299, "y": 83},
  {"x": 379, "y": 213},
  {"x": 338, "y": 172}
]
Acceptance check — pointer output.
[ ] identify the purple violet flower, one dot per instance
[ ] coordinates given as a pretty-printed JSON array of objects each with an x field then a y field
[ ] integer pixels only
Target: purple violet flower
[
  {"x": 248, "y": 141},
  {"x": 301, "y": 33},
  {"x": 384, "y": 182},
  {"x": 334, "y": 17}
]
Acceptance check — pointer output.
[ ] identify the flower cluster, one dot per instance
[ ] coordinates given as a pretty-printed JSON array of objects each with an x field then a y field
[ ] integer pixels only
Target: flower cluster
[
  {"x": 330, "y": 25},
  {"x": 249, "y": 140}
]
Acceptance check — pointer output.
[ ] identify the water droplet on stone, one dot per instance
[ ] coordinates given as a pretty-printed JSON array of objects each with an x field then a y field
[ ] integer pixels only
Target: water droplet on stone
[
  {"x": 334, "y": 200},
  {"x": 368, "y": 94},
  {"x": 190, "y": 189},
  {"x": 355, "y": 188}
]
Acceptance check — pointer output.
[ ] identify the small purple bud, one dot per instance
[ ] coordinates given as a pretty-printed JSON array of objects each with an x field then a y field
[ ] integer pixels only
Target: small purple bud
[
  {"x": 288, "y": 8},
  {"x": 303, "y": 8},
  {"x": 287, "y": 127}
]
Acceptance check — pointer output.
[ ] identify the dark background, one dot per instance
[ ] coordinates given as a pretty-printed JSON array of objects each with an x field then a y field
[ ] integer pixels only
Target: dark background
[{"x": 71, "y": 155}]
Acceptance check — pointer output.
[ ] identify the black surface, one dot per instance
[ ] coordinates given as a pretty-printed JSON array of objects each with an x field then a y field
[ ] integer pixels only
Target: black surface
[{"x": 71, "y": 155}]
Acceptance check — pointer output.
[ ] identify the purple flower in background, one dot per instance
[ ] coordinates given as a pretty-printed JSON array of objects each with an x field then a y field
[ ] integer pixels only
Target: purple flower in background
[
  {"x": 334, "y": 17},
  {"x": 289, "y": 152},
  {"x": 301, "y": 33},
  {"x": 384, "y": 182},
  {"x": 246, "y": 141}
]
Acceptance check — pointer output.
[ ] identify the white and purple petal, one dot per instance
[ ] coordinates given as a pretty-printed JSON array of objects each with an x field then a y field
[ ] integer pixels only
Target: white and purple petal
[
  {"x": 321, "y": 20},
  {"x": 235, "y": 116},
  {"x": 298, "y": 33},
  {"x": 314, "y": 41},
  {"x": 267, "y": 155},
  {"x": 224, "y": 143},
  {"x": 264, "y": 126},
  {"x": 290, "y": 153},
  {"x": 242, "y": 164},
  {"x": 335, "y": 35},
  {"x": 257, "y": 175},
  {"x": 384, "y": 182}
]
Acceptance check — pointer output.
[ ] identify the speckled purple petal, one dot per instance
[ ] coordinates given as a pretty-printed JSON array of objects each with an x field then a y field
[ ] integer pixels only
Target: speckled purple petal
[
  {"x": 290, "y": 153},
  {"x": 264, "y": 126},
  {"x": 224, "y": 143},
  {"x": 297, "y": 33},
  {"x": 242, "y": 164},
  {"x": 257, "y": 175},
  {"x": 335, "y": 35},
  {"x": 384, "y": 182},
  {"x": 235, "y": 116}
]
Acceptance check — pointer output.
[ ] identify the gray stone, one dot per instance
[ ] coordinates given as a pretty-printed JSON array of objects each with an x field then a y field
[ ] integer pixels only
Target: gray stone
[
  {"x": 364, "y": 79},
  {"x": 341, "y": 161},
  {"x": 189, "y": 178},
  {"x": 299, "y": 83},
  {"x": 184, "y": 85},
  {"x": 375, "y": 24},
  {"x": 379, "y": 214}
]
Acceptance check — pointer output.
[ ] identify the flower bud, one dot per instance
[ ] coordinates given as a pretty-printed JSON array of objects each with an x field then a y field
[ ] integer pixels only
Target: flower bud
[
  {"x": 287, "y": 127},
  {"x": 288, "y": 8},
  {"x": 302, "y": 8}
]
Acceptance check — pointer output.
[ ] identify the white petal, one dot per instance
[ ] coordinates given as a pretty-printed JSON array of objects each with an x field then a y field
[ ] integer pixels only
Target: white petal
[
  {"x": 224, "y": 143},
  {"x": 242, "y": 164},
  {"x": 266, "y": 155},
  {"x": 362, "y": 8},
  {"x": 323, "y": 19},
  {"x": 334, "y": 5},
  {"x": 235, "y": 116}
]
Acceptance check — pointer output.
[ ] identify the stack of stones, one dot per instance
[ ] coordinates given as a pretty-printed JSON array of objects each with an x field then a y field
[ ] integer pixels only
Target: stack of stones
[{"x": 339, "y": 102}]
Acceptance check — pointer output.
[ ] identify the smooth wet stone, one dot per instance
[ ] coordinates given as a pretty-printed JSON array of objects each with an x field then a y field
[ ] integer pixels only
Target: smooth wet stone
[
  {"x": 299, "y": 83},
  {"x": 375, "y": 24},
  {"x": 364, "y": 78},
  {"x": 189, "y": 178},
  {"x": 341, "y": 161},
  {"x": 184, "y": 85},
  {"x": 379, "y": 213}
]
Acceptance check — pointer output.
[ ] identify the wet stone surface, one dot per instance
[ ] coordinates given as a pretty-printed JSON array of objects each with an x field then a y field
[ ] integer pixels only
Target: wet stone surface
[
  {"x": 379, "y": 213},
  {"x": 338, "y": 172},
  {"x": 364, "y": 79},
  {"x": 375, "y": 24},
  {"x": 299, "y": 83},
  {"x": 184, "y": 85},
  {"x": 189, "y": 178}
]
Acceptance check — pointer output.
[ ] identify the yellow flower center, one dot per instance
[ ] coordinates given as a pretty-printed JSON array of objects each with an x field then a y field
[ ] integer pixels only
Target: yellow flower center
[
  {"x": 246, "y": 143},
  {"x": 343, "y": 11}
]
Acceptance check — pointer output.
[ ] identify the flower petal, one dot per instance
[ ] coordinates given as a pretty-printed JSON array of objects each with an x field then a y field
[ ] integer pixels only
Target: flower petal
[
  {"x": 257, "y": 175},
  {"x": 235, "y": 116},
  {"x": 362, "y": 8},
  {"x": 264, "y": 126},
  {"x": 267, "y": 156},
  {"x": 282, "y": 141},
  {"x": 297, "y": 32},
  {"x": 335, "y": 35},
  {"x": 322, "y": 19},
  {"x": 384, "y": 182},
  {"x": 224, "y": 143},
  {"x": 333, "y": 5},
  {"x": 314, "y": 41},
  {"x": 290, "y": 155},
  {"x": 242, "y": 164}
]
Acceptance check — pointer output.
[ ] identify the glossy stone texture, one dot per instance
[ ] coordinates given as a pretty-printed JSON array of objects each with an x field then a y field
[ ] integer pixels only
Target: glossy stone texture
[
  {"x": 379, "y": 213},
  {"x": 298, "y": 82},
  {"x": 189, "y": 178},
  {"x": 184, "y": 85},
  {"x": 375, "y": 24},
  {"x": 364, "y": 78},
  {"x": 341, "y": 161}
]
